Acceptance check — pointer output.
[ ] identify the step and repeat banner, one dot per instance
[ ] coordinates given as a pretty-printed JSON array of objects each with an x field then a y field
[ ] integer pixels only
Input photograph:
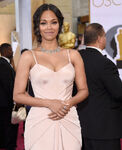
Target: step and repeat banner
[{"x": 109, "y": 14}]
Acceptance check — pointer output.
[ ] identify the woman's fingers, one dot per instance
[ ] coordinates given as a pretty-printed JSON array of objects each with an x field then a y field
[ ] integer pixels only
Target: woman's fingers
[
  {"x": 60, "y": 112},
  {"x": 52, "y": 115},
  {"x": 57, "y": 116}
]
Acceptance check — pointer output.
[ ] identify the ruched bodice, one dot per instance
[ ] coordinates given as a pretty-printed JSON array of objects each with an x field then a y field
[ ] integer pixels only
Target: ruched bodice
[{"x": 42, "y": 133}]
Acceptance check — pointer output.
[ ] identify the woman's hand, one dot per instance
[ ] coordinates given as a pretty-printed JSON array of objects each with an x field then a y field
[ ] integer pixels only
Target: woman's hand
[{"x": 59, "y": 109}]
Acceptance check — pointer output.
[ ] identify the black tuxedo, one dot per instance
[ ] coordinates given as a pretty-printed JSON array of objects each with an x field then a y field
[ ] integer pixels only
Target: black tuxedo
[
  {"x": 101, "y": 113},
  {"x": 7, "y": 76}
]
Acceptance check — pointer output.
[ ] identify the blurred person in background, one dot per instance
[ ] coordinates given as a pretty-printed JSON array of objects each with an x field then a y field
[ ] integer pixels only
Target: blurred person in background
[
  {"x": 8, "y": 131},
  {"x": 101, "y": 113}
]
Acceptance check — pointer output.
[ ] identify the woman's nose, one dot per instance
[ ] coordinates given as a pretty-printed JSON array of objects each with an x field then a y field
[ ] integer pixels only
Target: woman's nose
[{"x": 48, "y": 25}]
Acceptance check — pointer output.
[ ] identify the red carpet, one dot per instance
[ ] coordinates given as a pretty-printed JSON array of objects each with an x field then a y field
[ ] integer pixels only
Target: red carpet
[{"x": 20, "y": 140}]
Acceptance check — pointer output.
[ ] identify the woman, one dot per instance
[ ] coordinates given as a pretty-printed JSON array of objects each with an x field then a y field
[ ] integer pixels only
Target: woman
[{"x": 52, "y": 123}]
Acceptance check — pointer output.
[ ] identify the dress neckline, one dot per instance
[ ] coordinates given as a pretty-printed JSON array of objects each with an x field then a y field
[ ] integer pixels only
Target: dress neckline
[{"x": 51, "y": 69}]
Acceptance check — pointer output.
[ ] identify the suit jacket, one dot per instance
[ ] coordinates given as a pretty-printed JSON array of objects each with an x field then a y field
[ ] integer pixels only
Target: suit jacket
[
  {"x": 101, "y": 113},
  {"x": 7, "y": 76}
]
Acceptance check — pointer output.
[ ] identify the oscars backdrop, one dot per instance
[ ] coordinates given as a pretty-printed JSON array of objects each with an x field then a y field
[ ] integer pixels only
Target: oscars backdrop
[{"x": 109, "y": 14}]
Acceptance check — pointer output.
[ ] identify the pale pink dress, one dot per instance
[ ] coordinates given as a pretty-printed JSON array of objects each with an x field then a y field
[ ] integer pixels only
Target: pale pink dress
[{"x": 42, "y": 133}]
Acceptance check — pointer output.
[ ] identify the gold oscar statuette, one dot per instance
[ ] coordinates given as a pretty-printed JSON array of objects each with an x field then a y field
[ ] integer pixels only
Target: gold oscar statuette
[
  {"x": 67, "y": 39},
  {"x": 119, "y": 39}
]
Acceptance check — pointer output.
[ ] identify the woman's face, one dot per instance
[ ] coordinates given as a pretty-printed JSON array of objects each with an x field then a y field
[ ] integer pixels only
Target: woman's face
[{"x": 49, "y": 26}]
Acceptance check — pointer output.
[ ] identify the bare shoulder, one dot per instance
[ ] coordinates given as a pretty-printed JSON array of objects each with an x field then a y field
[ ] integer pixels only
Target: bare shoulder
[
  {"x": 28, "y": 54},
  {"x": 26, "y": 57},
  {"x": 75, "y": 55},
  {"x": 73, "y": 52}
]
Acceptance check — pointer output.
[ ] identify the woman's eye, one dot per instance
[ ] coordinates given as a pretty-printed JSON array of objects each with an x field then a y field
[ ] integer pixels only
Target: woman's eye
[
  {"x": 55, "y": 22},
  {"x": 42, "y": 23}
]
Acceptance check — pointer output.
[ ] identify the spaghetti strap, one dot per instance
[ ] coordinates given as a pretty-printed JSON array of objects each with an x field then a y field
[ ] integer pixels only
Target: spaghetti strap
[
  {"x": 68, "y": 56},
  {"x": 34, "y": 56}
]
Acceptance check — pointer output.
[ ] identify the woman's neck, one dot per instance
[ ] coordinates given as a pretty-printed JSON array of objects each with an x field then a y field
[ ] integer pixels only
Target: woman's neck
[{"x": 49, "y": 44}]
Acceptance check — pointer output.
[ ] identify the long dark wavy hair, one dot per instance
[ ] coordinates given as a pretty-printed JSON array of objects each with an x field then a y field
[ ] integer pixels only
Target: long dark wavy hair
[{"x": 37, "y": 15}]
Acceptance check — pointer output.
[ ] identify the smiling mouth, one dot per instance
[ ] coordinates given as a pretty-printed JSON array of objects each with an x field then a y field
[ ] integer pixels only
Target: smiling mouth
[{"x": 49, "y": 32}]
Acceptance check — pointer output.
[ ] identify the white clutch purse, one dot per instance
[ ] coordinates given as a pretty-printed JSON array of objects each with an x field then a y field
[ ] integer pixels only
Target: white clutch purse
[{"x": 19, "y": 115}]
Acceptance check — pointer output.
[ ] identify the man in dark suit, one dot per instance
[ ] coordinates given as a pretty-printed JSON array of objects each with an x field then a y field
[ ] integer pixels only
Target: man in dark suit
[
  {"x": 8, "y": 132},
  {"x": 101, "y": 113}
]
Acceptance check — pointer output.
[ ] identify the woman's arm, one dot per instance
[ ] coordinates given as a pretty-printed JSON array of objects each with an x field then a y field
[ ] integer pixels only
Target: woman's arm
[
  {"x": 22, "y": 74},
  {"x": 80, "y": 79}
]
